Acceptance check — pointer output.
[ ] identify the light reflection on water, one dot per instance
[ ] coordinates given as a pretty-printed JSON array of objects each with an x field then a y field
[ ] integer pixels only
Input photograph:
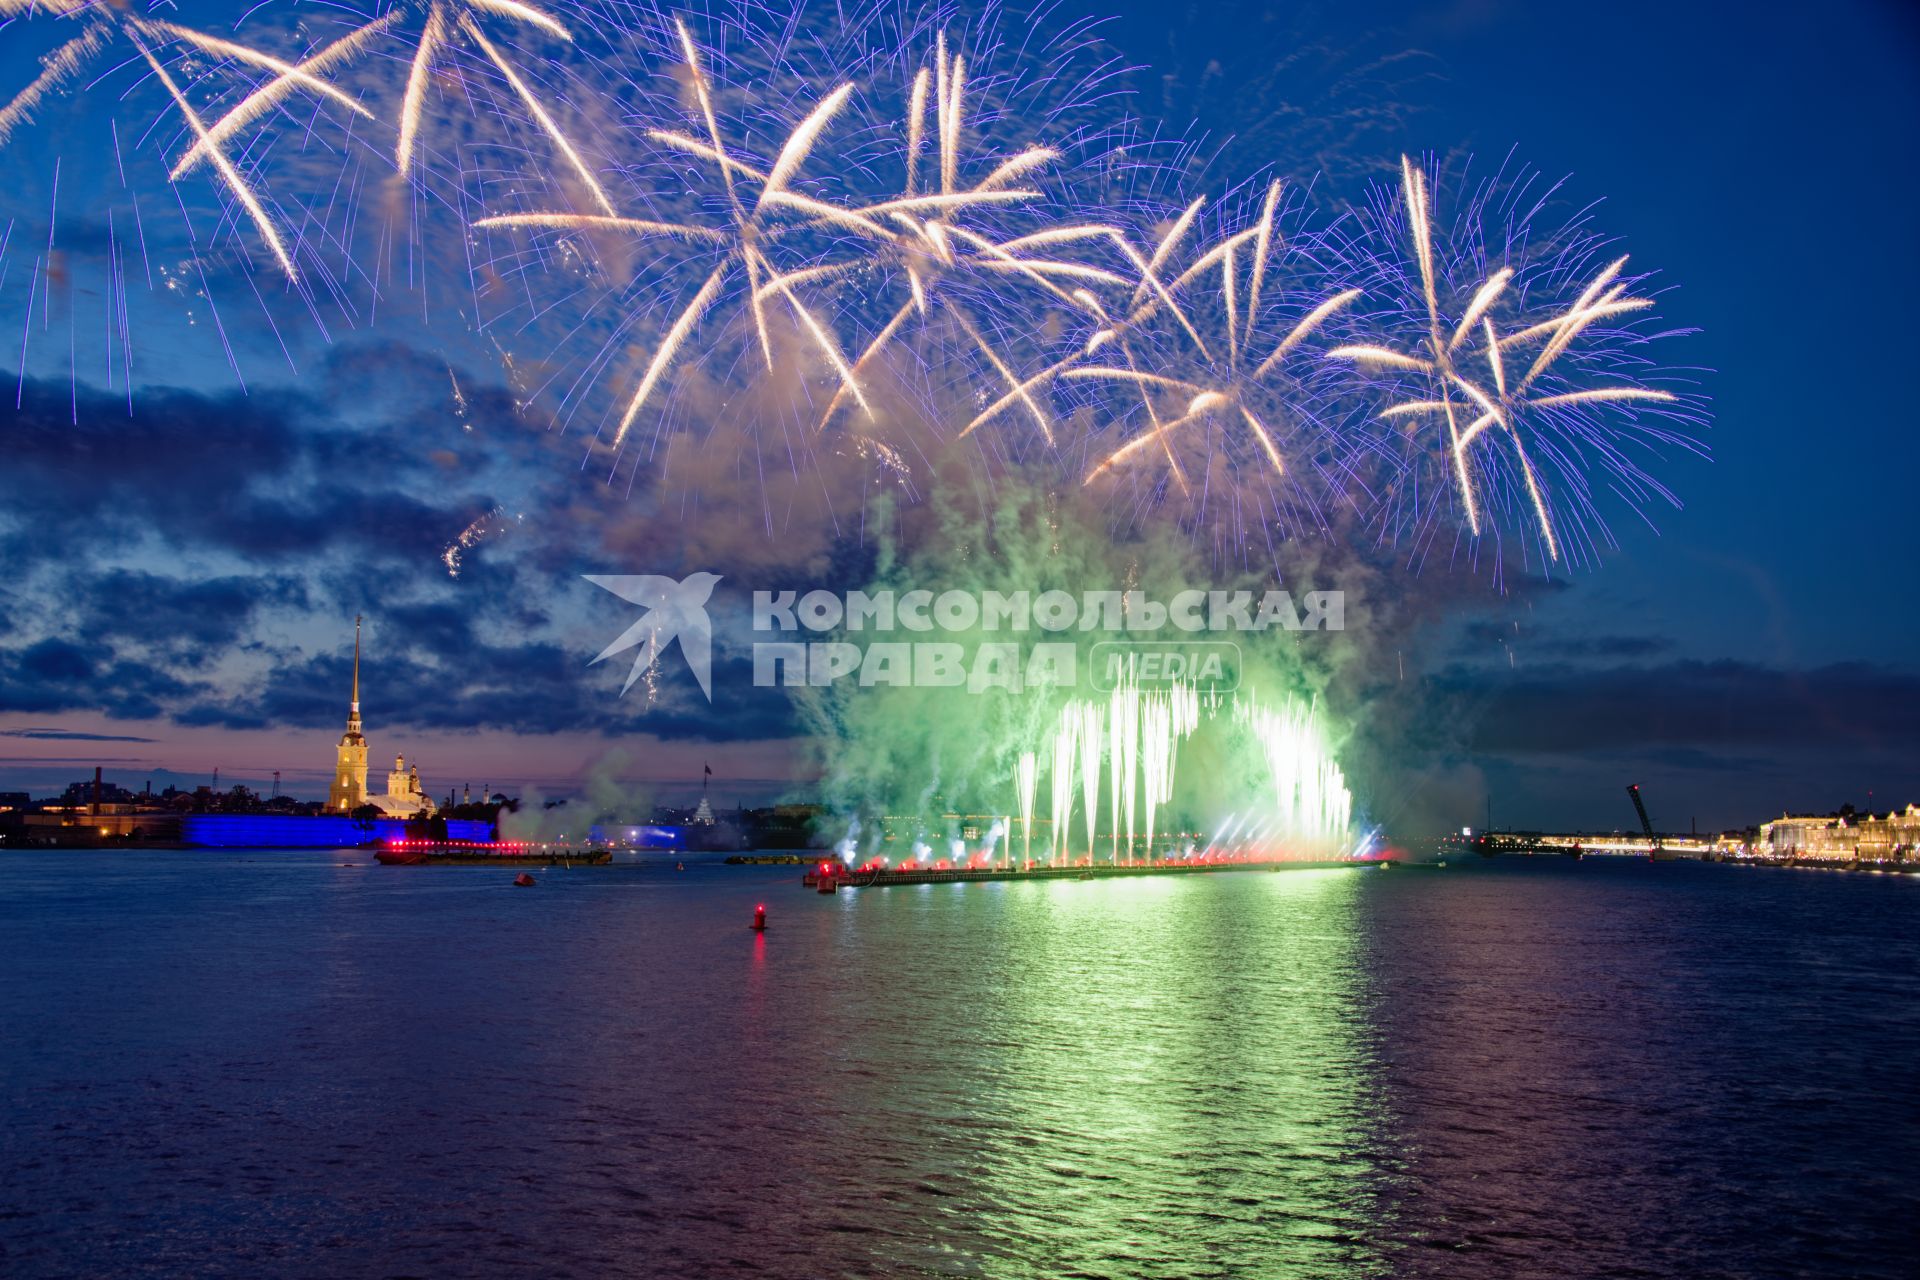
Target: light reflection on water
[
  {"x": 1145, "y": 1076},
  {"x": 273, "y": 1064}
]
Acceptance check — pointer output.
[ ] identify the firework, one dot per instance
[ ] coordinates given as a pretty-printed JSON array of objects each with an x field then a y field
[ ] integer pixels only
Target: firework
[
  {"x": 104, "y": 26},
  {"x": 1213, "y": 351},
  {"x": 1130, "y": 745},
  {"x": 1026, "y": 780},
  {"x": 58, "y": 69},
  {"x": 1462, "y": 361},
  {"x": 1064, "y": 757},
  {"x": 1231, "y": 380},
  {"x": 446, "y": 25},
  {"x": 931, "y": 248},
  {"x": 308, "y": 74},
  {"x": 970, "y": 227},
  {"x": 761, "y": 207},
  {"x": 1310, "y": 799},
  {"x": 1091, "y": 733}
]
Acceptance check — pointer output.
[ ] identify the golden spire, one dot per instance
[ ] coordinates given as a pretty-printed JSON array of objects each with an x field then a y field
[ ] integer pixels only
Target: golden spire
[{"x": 353, "y": 714}]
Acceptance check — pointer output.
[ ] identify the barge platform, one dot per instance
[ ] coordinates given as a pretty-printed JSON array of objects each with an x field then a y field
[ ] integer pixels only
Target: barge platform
[
  {"x": 828, "y": 877},
  {"x": 439, "y": 853}
]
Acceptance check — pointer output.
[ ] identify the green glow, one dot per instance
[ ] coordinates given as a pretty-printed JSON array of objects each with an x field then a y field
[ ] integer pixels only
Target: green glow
[
  {"x": 915, "y": 764},
  {"x": 1191, "y": 1052}
]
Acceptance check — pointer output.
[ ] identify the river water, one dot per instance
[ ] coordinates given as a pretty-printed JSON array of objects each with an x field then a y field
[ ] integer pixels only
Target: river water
[{"x": 255, "y": 1064}]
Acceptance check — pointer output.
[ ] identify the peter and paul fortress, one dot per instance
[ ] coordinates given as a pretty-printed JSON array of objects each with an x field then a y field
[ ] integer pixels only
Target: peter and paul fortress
[{"x": 405, "y": 796}]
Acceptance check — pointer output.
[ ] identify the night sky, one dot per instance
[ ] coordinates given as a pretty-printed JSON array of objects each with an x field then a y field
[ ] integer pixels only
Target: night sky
[{"x": 181, "y": 578}]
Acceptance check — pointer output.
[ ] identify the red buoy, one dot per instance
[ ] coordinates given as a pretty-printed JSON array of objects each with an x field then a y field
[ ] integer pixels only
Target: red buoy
[
  {"x": 523, "y": 880},
  {"x": 760, "y": 919}
]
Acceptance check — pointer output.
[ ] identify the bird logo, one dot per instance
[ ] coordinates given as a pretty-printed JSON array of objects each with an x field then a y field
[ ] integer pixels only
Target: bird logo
[{"x": 674, "y": 611}]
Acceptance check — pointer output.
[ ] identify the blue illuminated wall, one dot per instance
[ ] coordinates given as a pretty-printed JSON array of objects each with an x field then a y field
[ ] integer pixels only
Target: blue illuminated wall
[{"x": 288, "y": 831}]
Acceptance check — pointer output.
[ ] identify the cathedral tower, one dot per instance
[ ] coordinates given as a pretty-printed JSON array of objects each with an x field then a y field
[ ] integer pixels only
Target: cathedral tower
[{"x": 349, "y": 790}]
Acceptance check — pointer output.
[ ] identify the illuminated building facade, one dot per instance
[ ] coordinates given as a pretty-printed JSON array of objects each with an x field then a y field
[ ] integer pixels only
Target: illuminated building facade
[
  {"x": 349, "y": 789},
  {"x": 1864, "y": 838},
  {"x": 405, "y": 796}
]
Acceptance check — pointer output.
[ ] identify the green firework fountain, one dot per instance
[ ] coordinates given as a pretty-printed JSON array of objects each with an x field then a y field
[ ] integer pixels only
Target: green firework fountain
[
  {"x": 1092, "y": 729},
  {"x": 1027, "y": 781},
  {"x": 1310, "y": 794},
  {"x": 1307, "y": 808},
  {"x": 1118, "y": 769},
  {"x": 1066, "y": 754}
]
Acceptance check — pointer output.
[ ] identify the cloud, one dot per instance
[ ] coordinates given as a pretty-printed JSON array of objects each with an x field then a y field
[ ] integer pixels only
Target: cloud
[
  {"x": 1712, "y": 705},
  {"x": 424, "y": 667},
  {"x": 64, "y": 675},
  {"x": 199, "y": 560},
  {"x": 69, "y": 735},
  {"x": 1478, "y": 637},
  {"x": 193, "y": 621},
  {"x": 272, "y": 477}
]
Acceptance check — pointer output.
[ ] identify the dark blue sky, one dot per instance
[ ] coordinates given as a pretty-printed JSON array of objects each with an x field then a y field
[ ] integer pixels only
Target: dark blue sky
[
  {"x": 1761, "y": 155},
  {"x": 1754, "y": 654}
]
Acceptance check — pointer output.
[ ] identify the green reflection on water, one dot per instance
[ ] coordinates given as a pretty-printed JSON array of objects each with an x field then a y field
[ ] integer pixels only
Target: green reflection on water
[{"x": 1186, "y": 1086}]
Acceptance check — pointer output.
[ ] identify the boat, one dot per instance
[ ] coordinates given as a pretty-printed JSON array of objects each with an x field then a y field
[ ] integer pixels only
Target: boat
[{"x": 431, "y": 853}]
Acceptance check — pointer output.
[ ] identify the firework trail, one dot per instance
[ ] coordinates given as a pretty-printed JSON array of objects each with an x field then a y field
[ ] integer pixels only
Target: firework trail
[
  {"x": 141, "y": 105},
  {"x": 103, "y": 27},
  {"x": 762, "y": 206},
  {"x": 308, "y": 74},
  {"x": 442, "y": 27},
  {"x": 933, "y": 251},
  {"x": 234, "y": 98},
  {"x": 1237, "y": 380},
  {"x": 1310, "y": 797},
  {"x": 1132, "y": 743},
  {"x": 901, "y": 293},
  {"x": 58, "y": 69},
  {"x": 1484, "y": 384},
  {"x": 783, "y": 253},
  {"x": 1214, "y": 349}
]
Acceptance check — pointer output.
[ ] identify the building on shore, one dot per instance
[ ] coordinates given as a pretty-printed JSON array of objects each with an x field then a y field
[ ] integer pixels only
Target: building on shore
[
  {"x": 405, "y": 797},
  {"x": 89, "y": 814},
  {"x": 1838, "y": 838},
  {"x": 349, "y": 789}
]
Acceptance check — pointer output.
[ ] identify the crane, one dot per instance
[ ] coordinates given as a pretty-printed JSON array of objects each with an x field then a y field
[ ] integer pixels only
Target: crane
[{"x": 1646, "y": 824}]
